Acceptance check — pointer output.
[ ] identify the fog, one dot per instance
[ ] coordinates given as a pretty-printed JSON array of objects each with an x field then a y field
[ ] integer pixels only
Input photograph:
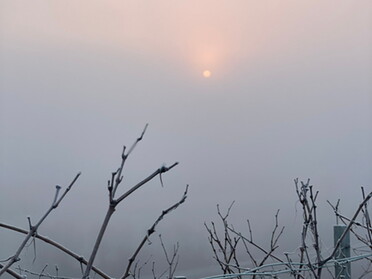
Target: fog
[{"x": 290, "y": 95}]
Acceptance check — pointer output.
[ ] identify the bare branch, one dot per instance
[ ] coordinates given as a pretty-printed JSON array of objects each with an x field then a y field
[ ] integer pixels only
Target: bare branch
[
  {"x": 112, "y": 187},
  {"x": 144, "y": 181},
  {"x": 173, "y": 261},
  {"x": 58, "y": 246},
  {"x": 347, "y": 229},
  {"x": 13, "y": 273},
  {"x": 33, "y": 229},
  {"x": 137, "y": 141},
  {"x": 151, "y": 230}
]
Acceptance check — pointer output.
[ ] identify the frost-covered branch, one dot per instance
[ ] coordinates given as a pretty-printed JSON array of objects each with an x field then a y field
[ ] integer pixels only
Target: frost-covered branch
[
  {"x": 112, "y": 186},
  {"x": 57, "y": 245},
  {"x": 173, "y": 260},
  {"x": 33, "y": 229},
  {"x": 13, "y": 273},
  {"x": 151, "y": 230},
  {"x": 360, "y": 207}
]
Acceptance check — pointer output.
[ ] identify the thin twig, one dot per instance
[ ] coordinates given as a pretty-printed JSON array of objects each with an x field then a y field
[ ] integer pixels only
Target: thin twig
[
  {"x": 347, "y": 229},
  {"x": 151, "y": 230},
  {"x": 13, "y": 273},
  {"x": 58, "y": 246},
  {"x": 33, "y": 229},
  {"x": 116, "y": 179}
]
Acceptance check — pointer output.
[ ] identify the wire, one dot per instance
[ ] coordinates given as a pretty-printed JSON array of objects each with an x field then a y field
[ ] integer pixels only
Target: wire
[{"x": 288, "y": 267}]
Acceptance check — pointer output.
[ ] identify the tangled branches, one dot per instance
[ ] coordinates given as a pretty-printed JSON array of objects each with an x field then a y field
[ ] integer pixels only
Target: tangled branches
[
  {"x": 311, "y": 260},
  {"x": 132, "y": 268}
]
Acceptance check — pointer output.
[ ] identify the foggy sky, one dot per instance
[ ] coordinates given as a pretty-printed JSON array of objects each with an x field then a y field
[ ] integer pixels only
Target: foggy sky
[{"x": 290, "y": 96}]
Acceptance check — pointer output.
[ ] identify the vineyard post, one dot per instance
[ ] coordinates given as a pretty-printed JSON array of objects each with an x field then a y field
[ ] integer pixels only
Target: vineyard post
[{"x": 342, "y": 271}]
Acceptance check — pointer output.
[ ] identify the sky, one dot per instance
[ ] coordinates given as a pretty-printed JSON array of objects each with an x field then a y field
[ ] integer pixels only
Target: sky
[{"x": 289, "y": 95}]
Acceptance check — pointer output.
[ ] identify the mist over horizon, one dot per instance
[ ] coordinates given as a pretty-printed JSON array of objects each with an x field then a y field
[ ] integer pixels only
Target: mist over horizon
[{"x": 289, "y": 96}]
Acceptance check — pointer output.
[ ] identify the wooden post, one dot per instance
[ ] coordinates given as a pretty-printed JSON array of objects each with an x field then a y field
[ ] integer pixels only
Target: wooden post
[{"x": 342, "y": 271}]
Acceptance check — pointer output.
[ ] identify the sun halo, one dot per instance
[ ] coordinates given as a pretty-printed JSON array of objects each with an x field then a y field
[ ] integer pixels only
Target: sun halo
[{"x": 207, "y": 73}]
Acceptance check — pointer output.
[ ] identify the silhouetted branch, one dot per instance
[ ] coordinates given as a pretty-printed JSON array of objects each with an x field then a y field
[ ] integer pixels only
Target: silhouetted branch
[
  {"x": 224, "y": 247},
  {"x": 58, "y": 246},
  {"x": 12, "y": 273},
  {"x": 147, "y": 179},
  {"x": 33, "y": 229},
  {"x": 116, "y": 179},
  {"x": 360, "y": 207},
  {"x": 151, "y": 230},
  {"x": 171, "y": 261},
  {"x": 310, "y": 262}
]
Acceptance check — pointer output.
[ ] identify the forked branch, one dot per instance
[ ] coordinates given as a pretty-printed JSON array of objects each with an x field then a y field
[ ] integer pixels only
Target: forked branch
[
  {"x": 60, "y": 247},
  {"x": 112, "y": 185},
  {"x": 150, "y": 231},
  {"x": 33, "y": 229}
]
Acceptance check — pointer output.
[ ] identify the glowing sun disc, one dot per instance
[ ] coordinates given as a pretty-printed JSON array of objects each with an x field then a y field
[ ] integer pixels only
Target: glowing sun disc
[{"x": 207, "y": 73}]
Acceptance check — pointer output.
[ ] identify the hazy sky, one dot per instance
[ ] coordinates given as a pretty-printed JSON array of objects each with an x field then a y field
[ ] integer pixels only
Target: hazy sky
[{"x": 290, "y": 95}]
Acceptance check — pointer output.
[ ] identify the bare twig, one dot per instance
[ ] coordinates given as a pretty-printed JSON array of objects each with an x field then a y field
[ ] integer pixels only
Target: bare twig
[
  {"x": 144, "y": 181},
  {"x": 151, "y": 230},
  {"x": 33, "y": 229},
  {"x": 58, "y": 246},
  {"x": 255, "y": 245},
  {"x": 367, "y": 217},
  {"x": 12, "y": 273},
  {"x": 367, "y": 198},
  {"x": 171, "y": 261},
  {"x": 116, "y": 179},
  {"x": 309, "y": 221},
  {"x": 225, "y": 247}
]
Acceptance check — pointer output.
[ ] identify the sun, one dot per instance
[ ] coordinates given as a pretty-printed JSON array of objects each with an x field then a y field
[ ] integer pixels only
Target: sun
[{"x": 207, "y": 73}]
